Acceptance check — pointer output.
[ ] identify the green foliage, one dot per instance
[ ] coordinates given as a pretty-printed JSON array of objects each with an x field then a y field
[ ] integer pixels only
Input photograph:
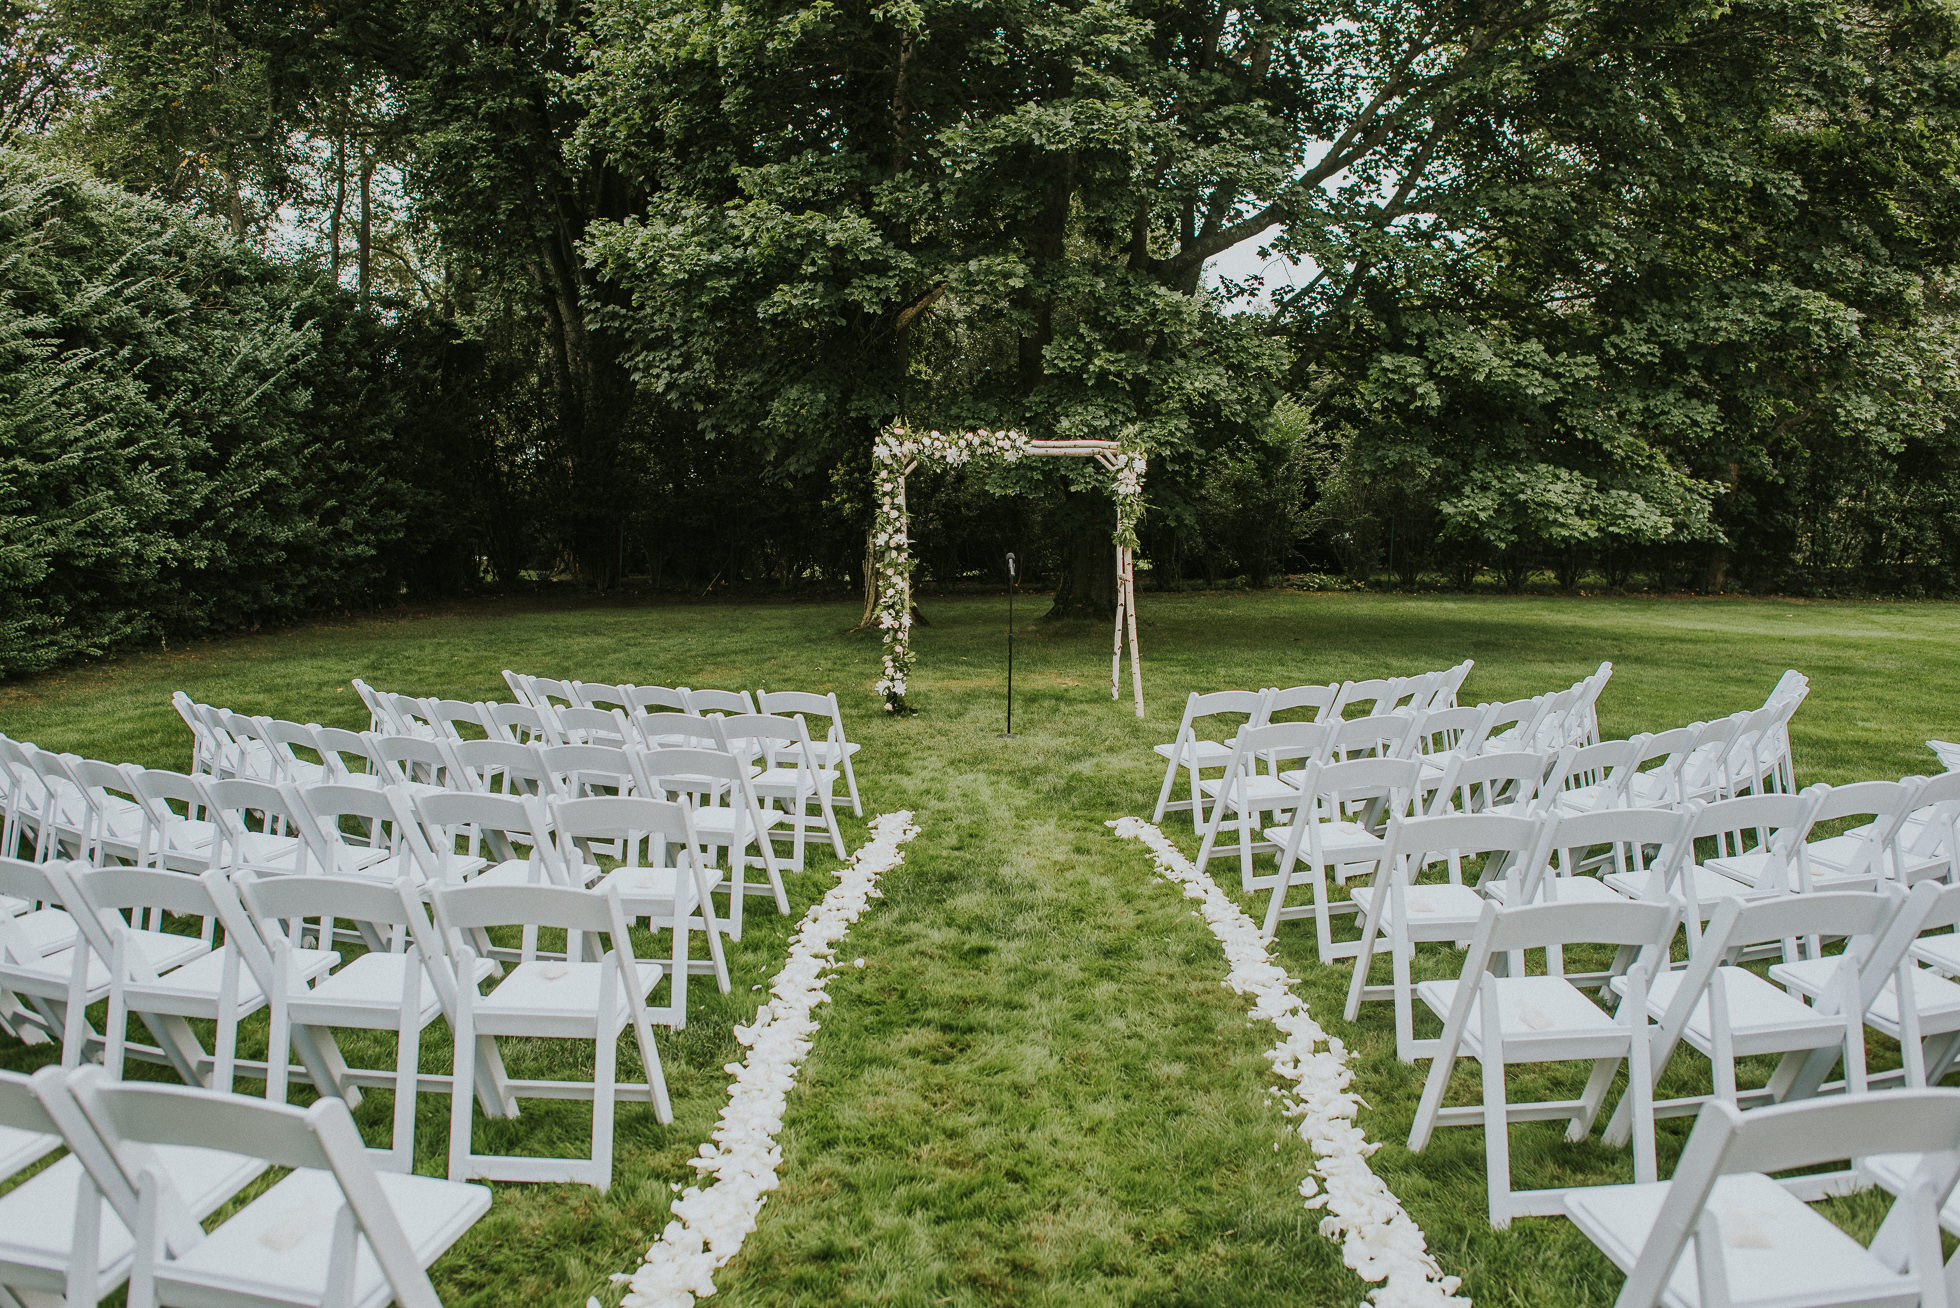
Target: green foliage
[{"x": 190, "y": 436}]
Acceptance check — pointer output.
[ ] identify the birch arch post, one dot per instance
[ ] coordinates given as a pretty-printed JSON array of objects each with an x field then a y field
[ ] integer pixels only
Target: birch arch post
[{"x": 900, "y": 449}]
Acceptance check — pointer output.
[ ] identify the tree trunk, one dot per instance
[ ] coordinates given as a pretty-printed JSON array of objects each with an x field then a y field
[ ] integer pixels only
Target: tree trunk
[{"x": 1088, "y": 588}]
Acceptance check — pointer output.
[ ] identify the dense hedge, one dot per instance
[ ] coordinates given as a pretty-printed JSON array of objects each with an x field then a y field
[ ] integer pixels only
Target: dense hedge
[{"x": 193, "y": 437}]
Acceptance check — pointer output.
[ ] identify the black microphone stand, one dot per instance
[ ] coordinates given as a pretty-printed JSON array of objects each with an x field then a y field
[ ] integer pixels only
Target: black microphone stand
[{"x": 1010, "y": 646}]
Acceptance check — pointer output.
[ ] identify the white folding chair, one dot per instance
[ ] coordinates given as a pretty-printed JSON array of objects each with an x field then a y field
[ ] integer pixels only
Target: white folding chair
[
  {"x": 223, "y": 984},
  {"x": 1243, "y": 792},
  {"x": 726, "y": 814},
  {"x": 662, "y": 876},
  {"x": 1726, "y": 1012},
  {"x": 261, "y": 826},
  {"x": 357, "y": 831},
  {"x": 1752, "y": 835},
  {"x": 1639, "y": 843},
  {"x": 65, "y": 1232},
  {"x": 207, "y": 750},
  {"x": 1194, "y": 752},
  {"x": 1502, "y": 1017},
  {"x": 177, "y": 834},
  {"x": 1409, "y": 911},
  {"x": 575, "y": 771},
  {"x": 48, "y": 977},
  {"x": 403, "y": 985},
  {"x": 602, "y": 695},
  {"x": 455, "y": 719},
  {"x": 1336, "y": 829},
  {"x": 294, "y": 748},
  {"x": 1724, "y": 1231},
  {"x": 790, "y": 777},
  {"x": 1916, "y": 1006},
  {"x": 591, "y": 726},
  {"x": 416, "y": 763},
  {"x": 332, "y": 1232},
  {"x": 1298, "y": 704},
  {"x": 574, "y": 998},
  {"x": 520, "y": 724},
  {"x": 117, "y": 817},
  {"x": 833, "y": 749}
]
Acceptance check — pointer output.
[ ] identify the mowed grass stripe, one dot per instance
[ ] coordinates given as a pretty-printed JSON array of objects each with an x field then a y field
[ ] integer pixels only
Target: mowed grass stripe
[{"x": 1037, "y": 1091}]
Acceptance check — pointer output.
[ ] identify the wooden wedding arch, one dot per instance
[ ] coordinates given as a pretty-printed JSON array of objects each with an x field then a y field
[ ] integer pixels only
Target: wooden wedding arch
[{"x": 900, "y": 450}]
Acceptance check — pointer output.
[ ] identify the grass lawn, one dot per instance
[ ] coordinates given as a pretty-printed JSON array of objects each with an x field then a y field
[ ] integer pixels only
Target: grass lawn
[{"x": 1036, "y": 1091}]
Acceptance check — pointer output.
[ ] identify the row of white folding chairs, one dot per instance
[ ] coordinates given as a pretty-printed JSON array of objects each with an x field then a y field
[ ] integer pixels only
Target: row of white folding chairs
[
  {"x": 1332, "y": 829},
  {"x": 1432, "y": 740},
  {"x": 1542, "y": 722},
  {"x": 609, "y": 722},
  {"x": 1701, "y": 762},
  {"x": 147, "y": 1165},
  {"x": 786, "y": 765},
  {"x": 284, "y": 945},
  {"x": 442, "y": 837},
  {"x": 552, "y": 699}
]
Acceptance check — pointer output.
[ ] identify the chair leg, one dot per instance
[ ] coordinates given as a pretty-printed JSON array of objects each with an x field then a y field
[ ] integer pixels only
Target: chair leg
[
  {"x": 1497, "y": 1124},
  {"x": 738, "y": 885},
  {"x": 677, "y": 983},
  {"x": 1364, "y": 955},
  {"x": 851, "y": 785},
  {"x": 408, "y": 1050},
  {"x": 1164, "y": 791},
  {"x": 1278, "y": 900},
  {"x": 1401, "y": 950},
  {"x": 605, "y": 1078},
  {"x": 462, "y": 1087}
]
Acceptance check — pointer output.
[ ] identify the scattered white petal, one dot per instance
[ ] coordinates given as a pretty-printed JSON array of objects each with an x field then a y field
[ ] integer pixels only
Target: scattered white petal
[
  {"x": 1379, "y": 1240},
  {"x": 738, "y": 1166}
]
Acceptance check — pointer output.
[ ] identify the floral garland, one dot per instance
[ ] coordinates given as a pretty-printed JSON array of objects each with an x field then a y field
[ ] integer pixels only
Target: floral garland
[
  {"x": 710, "y": 1221},
  {"x": 895, "y": 451},
  {"x": 1379, "y": 1240}
]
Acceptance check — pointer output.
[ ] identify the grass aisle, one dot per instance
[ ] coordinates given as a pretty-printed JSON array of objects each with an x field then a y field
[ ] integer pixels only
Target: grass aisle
[{"x": 1037, "y": 1090}]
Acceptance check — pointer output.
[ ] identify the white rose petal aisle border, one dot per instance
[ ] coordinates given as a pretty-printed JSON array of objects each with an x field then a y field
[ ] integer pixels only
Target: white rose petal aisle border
[
  {"x": 738, "y": 1164},
  {"x": 1379, "y": 1240}
]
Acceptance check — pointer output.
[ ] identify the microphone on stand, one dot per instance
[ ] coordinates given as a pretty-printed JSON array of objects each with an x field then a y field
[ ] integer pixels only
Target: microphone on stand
[{"x": 1010, "y": 645}]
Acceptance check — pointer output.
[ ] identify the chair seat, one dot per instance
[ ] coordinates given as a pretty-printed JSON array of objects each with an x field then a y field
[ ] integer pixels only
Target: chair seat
[
  {"x": 20, "y": 1148},
  {"x": 37, "y": 1218},
  {"x": 1893, "y": 1173},
  {"x": 511, "y": 872},
  {"x": 556, "y": 989},
  {"x": 1444, "y": 905},
  {"x": 1196, "y": 753},
  {"x": 1529, "y": 1008},
  {"x": 653, "y": 890},
  {"x": 717, "y": 826},
  {"x": 1562, "y": 890},
  {"x": 780, "y": 781},
  {"x": 278, "y": 1247},
  {"x": 1936, "y": 998},
  {"x": 1941, "y": 952},
  {"x": 371, "y": 983},
  {"x": 825, "y": 753},
  {"x": 1775, "y": 1246},
  {"x": 1762, "y": 1017},
  {"x": 1258, "y": 792},
  {"x": 47, "y": 929},
  {"x": 202, "y": 978},
  {"x": 1709, "y": 886},
  {"x": 1340, "y": 842}
]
